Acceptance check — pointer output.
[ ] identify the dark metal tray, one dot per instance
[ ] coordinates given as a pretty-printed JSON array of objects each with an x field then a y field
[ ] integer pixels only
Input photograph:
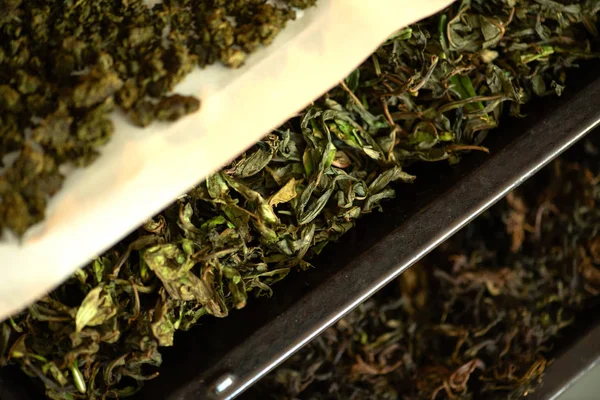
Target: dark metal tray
[{"x": 221, "y": 358}]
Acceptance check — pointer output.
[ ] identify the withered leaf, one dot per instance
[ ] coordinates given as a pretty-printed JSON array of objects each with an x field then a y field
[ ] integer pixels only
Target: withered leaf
[
  {"x": 486, "y": 329},
  {"x": 66, "y": 65},
  {"x": 285, "y": 194},
  {"x": 97, "y": 307},
  {"x": 431, "y": 93}
]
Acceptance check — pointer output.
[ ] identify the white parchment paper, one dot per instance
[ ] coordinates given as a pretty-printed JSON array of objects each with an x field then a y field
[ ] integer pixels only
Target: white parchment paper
[{"x": 141, "y": 171}]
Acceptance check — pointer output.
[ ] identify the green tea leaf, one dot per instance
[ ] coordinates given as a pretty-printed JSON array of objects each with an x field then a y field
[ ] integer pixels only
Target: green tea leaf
[{"x": 97, "y": 307}]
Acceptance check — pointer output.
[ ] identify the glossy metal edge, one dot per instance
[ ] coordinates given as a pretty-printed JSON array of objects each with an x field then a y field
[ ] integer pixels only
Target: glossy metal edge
[
  {"x": 364, "y": 276},
  {"x": 570, "y": 367}
]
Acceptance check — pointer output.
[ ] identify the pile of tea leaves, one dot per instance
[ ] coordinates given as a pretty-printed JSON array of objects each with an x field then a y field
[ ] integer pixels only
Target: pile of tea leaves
[
  {"x": 430, "y": 93},
  {"x": 65, "y": 65},
  {"x": 481, "y": 317}
]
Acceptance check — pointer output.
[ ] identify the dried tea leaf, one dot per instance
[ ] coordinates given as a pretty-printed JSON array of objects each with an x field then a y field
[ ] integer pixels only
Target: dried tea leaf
[
  {"x": 67, "y": 65},
  {"x": 476, "y": 318},
  {"x": 231, "y": 238},
  {"x": 96, "y": 309},
  {"x": 287, "y": 193},
  {"x": 172, "y": 267}
]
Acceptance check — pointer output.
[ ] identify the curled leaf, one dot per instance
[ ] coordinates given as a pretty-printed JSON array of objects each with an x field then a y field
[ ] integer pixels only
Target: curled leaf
[{"x": 97, "y": 307}]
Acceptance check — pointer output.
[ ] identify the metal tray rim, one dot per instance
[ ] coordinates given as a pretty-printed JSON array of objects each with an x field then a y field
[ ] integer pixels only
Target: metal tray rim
[{"x": 541, "y": 144}]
